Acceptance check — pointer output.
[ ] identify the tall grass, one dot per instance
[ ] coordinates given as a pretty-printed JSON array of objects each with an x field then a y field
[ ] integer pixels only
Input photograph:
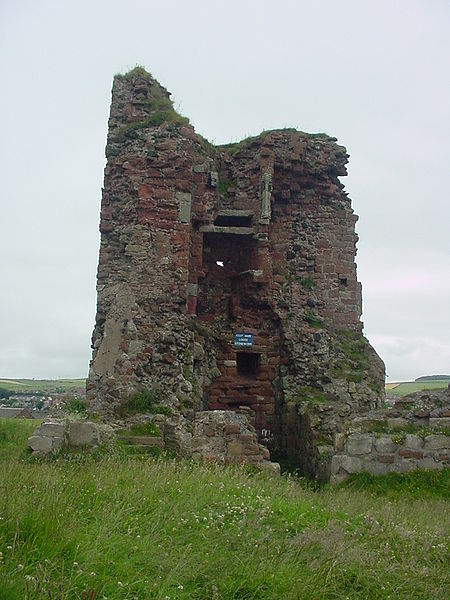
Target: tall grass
[{"x": 122, "y": 527}]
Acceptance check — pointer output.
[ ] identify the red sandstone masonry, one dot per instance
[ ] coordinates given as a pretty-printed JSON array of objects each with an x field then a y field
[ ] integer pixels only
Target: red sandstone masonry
[{"x": 272, "y": 209}]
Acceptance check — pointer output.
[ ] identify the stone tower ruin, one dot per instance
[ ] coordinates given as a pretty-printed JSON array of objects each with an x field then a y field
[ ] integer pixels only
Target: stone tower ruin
[{"x": 227, "y": 278}]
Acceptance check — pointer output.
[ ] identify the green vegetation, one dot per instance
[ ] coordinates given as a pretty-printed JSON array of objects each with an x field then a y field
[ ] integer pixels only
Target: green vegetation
[
  {"x": 375, "y": 426},
  {"x": 354, "y": 346},
  {"x": 225, "y": 185},
  {"x": 144, "y": 401},
  {"x": 129, "y": 131},
  {"x": 159, "y": 108},
  {"x": 415, "y": 484},
  {"x": 313, "y": 320},
  {"x": 307, "y": 283},
  {"x": 310, "y": 395},
  {"x": 398, "y": 438},
  {"x": 409, "y": 387},
  {"x": 234, "y": 146},
  {"x": 354, "y": 364},
  {"x": 122, "y": 527},
  {"x": 137, "y": 71},
  {"x": 201, "y": 329},
  {"x": 76, "y": 406},
  {"x": 142, "y": 429},
  {"x": 14, "y": 434}
]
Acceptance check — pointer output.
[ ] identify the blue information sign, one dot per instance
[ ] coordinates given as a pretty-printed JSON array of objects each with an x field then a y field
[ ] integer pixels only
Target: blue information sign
[{"x": 243, "y": 339}]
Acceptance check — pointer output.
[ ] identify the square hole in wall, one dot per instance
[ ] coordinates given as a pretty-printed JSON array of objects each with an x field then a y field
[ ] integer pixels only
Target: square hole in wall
[{"x": 248, "y": 363}]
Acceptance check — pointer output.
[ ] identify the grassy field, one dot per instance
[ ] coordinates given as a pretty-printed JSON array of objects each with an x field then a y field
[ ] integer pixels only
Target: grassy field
[
  {"x": 113, "y": 526},
  {"x": 42, "y": 386},
  {"x": 407, "y": 387}
]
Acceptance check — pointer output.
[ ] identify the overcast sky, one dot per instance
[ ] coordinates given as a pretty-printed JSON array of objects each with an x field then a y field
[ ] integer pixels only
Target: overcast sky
[{"x": 375, "y": 74}]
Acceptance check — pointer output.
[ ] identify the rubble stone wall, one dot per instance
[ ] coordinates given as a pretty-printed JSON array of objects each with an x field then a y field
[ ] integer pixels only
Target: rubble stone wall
[
  {"x": 381, "y": 454},
  {"x": 200, "y": 243},
  {"x": 410, "y": 433}
]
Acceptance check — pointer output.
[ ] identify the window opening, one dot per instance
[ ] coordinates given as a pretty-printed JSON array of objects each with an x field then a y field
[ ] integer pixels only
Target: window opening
[
  {"x": 247, "y": 363},
  {"x": 233, "y": 221}
]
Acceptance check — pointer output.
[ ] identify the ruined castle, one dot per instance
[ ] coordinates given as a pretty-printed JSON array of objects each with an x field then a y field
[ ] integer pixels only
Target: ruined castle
[{"x": 227, "y": 278}]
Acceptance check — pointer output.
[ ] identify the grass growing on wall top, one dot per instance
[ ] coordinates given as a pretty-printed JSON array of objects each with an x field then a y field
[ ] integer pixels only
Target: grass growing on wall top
[{"x": 126, "y": 527}]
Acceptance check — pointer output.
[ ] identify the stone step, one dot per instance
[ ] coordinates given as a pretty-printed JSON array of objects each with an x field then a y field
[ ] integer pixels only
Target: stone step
[{"x": 143, "y": 440}]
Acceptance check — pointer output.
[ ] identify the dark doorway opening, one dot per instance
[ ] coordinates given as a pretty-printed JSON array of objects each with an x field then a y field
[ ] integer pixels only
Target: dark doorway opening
[{"x": 247, "y": 363}]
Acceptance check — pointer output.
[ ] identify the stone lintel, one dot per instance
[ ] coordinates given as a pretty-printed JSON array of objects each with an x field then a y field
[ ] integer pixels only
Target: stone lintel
[{"x": 229, "y": 230}]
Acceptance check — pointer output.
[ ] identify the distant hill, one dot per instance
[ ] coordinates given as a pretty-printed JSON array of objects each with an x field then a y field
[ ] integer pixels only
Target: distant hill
[
  {"x": 40, "y": 387},
  {"x": 403, "y": 388},
  {"x": 433, "y": 378}
]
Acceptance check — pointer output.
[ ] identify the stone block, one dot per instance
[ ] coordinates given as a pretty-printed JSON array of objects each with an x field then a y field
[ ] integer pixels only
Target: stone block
[
  {"x": 408, "y": 453},
  {"x": 40, "y": 444},
  {"x": 386, "y": 458},
  {"x": 235, "y": 449},
  {"x": 437, "y": 423},
  {"x": 213, "y": 178},
  {"x": 57, "y": 443},
  {"x": 83, "y": 434},
  {"x": 198, "y": 351},
  {"x": 51, "y": 429},
  {"x": 444, "y": 456},
  {"x": 385, "y": 445},
  {"x": 377, "y": 468},
  {"x": 271, "y": 468},
  {"x": 413, "y": 442},
  {"x": 229, "y": 363},
  {"x": 428, "y": 462},
  {"x": 209, "y": 429},
  {"x": 265, "y": 454},
  {"x": 232, "y": 428},
  {"x": 349, "y": 464},
  {"x": 403, "y": 466},
  {"x": 338, "y": 478},
  {"x": 184, "y": 201},
  {"x": 397, "y": 422},
  {"x": 436, "y": 442},
  {"x": 359, "y": 443},
  {"x": 339, "y": 440},
  {"x": 251, "y": 449}
]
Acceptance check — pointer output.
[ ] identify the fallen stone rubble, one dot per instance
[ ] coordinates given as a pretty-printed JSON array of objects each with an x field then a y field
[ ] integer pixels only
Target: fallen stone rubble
[{"x": 223, "y": 437}]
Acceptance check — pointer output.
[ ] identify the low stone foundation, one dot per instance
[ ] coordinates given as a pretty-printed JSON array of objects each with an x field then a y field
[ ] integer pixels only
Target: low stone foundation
[
  {"x": 387, "y": 453},
  {"x": 53, "y": 435},
  {"x": 227, "y": 437},
  {"x": 410, "y": 433},
  {"x": 223, "y": 437}
]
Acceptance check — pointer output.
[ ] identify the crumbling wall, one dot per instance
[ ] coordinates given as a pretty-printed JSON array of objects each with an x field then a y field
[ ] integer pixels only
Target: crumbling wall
[
  {"x": 227, "y": 277},
  {"x": 409, "y": 433}
]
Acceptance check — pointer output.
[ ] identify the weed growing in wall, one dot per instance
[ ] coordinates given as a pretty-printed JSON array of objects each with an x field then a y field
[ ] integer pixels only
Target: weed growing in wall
[{"x": 144, "y": 401}]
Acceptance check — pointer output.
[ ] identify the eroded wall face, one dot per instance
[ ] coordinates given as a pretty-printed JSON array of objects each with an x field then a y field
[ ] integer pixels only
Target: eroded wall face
[{"x": 227, "y": 276}]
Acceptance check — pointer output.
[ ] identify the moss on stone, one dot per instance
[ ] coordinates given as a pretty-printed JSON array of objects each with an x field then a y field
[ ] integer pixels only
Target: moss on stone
[
  {"x": 313, "y": 320},
  {"x": 130, "y": 130},
  {"x": 309, "y": 395}
]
